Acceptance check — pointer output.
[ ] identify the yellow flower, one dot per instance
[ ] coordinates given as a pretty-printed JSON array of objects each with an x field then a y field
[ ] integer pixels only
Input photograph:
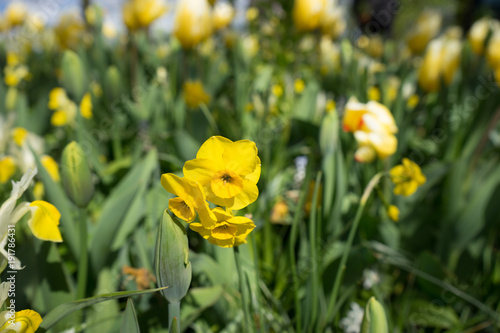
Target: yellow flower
[
  {"x": 330, "y": 105},
  {"x": 189, "y": 201},
  {"x": 228, "y": 171},
  {"x": 59, "y": 118},
  {"x": 299, "y": 86},
  {"x": 279, "y": 212},
  {"x": 426, "y": 28},
  {"x": 374, "y": 94},
  {"x": 13, "y": 59},
  {"x": 69, "y": 30},
  {"x": 44, "y": 221},
  {"x": 374, "y": 128},
  {"x": 307, "y": 14},
  {"x": 141, "y": 13},
  {"x": 441, "y": 61},
  {"x": 332, "y": 20},
  {"x": 393, "y": 213},
  {"x": 407, "y": 177},
  {"x": 14, "y": 74},
  {"x": 38, "y": 191},
  {"x": 365, "y": 154},
  {"x": 7, "y": 168},
  {"x": 195, "y": 94},
  {"x": 252, "y": 13},
  {"x": 223, "y": 15},
  {"x": 478, "y": 33},
  {"x": 57, "y": 98},
  {"x": 329, "y": 56},
  {"x": 492, "y": 54},
  {"x": 229, "y": 230},
  {"x": 277, "y": 90},
  {"x": 86, "y": 106},
  {"x": 51, "y": 166},
  {"x": 15, "y": 14},
  {"x": 19, "y": 135},
  {"x": 193, "y": 22},
  {"x": 25, "y": 321},
  {"x": 413, "y": 101},
  {"x": 65, "y": 109}
]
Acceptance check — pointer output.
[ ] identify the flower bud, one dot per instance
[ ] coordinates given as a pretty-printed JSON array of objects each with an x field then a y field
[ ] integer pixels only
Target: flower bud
[
  {"x": 76, "y": 175},
  {"x": 112, "y": 84},
  {"x": 374, "y": 320},
  {"x": 11, "y": 98},
  {"x": 73, "y": 74},
  {"x": 172, "y": 265}
]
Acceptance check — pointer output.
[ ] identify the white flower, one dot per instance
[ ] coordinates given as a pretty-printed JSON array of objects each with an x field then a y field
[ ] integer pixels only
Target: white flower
[
  {"x": 300, "y": 170},
  {"x": 351, "y": 323},
  {"x": 370, "y": 278}
]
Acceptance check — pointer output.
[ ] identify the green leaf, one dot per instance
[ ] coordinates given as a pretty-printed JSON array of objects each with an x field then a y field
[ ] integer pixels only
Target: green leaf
[
  {"x": 65, "y": 309},
  {"x": 130, "y": 324},
  {"x": 428, "y": 314},
  {"x": 197, "y": 301}
]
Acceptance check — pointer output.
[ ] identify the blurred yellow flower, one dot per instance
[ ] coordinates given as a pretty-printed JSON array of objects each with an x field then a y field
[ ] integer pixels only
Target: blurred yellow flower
[
  {"x": 86, "y": 106},
  {"x": 141, "y": 13},
  {"x": 38, "y": 191},
  {"x": 329, "y": 56},
  {"x": 19, "y": 135},
  {"x": 15, "y": 14},
  {"x": 277, "y": 90},
  {"x": 14, "y": 74},
  {"x": 407, "y": 177},
  {"x": 195, "y": 94},
  {"x": 374, "y": 94},
  {"x": 59, "y": 118},
  {"x": 441, "y": 61},
  {"x": 229, "y": 230},
  {"x": 330, "y": 105},
  {"x": 374, "y": 129},
  {"x": 299, "y": 85},
  {"x": 51, "y": 166},
  {"x": 223, "y": 15},
  {"x": 478, "y": 33},
  {"x": 227, "y": 170},
  {"x": 25, "y": 321},
  {"x": 279, "y": 212},
  {"x": 189, "y": 201},
  {"x": 492, "y": 53},
  {"x": 393, "y": 213},
  {"x": 193, "y": 22},
  {"x": 69, "y": 31},
  {"x": 307, "y": 14},
  {"x": 7, "y": 168},
  {"x": 413, "y": 101},
  {"x": 333, "y": 23},
  {"x": 426, "y": 28},
  {"x": 252, "y": 13},
  {"x": 44, "y": 221}
]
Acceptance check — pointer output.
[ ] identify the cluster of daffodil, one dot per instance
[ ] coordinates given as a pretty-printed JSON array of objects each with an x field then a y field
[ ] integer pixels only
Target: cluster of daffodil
[
  {"x": 484, "y": 37},
  {"x": 374, "y": 129},
  {"x": 224, "y": 173},
  {"x": 65, "y": 110}
]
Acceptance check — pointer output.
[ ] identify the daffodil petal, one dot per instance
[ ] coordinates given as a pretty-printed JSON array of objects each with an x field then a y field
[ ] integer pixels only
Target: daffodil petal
[
  {"x": 182, "y": 209},
  {"x": 201, "y": 170},
  {"x": 213, "y": 148}
]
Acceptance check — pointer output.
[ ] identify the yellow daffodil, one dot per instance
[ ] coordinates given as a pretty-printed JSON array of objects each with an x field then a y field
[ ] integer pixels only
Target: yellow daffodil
[
  {"x": 441, "y": 61},
  {"x": 407, "y": 177},
  {"x": 25, "y": 321},
  {"x": 393, "y": 213},
  {"x": 15, "y": 74},
  {"x": 51, "y": 166},
  {"x": 69, "y": 31},
  {"x": 7, "y": 168},
  {"x": 195, "y": 94},
  {"x": 57, "y": 98},
  {"x": 189, "y": 201},
  {"x": 307, "y": 14},
  {"x": 15, "y": 14},
  {"x": 228, "y": 171},
  {"x": 223, "y": 15},
  {"x": 373, "y": 126},
  {"x": 86, "y": 106},
  {"x": 19, "y": 135},
  {"x": 252, "y": 13},
  {"x": 299, "y": 86},
  {"x": 141, "y": 13},
  {"x": 193, "y": 22},
  {"x": 229, "y": 230},
  {"x": 425, "y": 29}
]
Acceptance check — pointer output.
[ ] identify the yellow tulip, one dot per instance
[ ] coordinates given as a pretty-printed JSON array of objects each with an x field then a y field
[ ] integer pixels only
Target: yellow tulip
[
  {"x": 141, "y": 13},
  {"x": 7, "y": 168},
  {"x": 478, "y": 33},
  {"x": 492, "y": 50},
  {"x": 407, "y": 177},
  {"x": 223, "y": 15},
  {"x": 228, "y": 171},
  {"x": 193, "y": 22},
  {"x": 15, "y": 14},
  {"x": 25, "y": 321},
  {"x": 427, "y": 27},
  {"x": 307, "y": 14},
  {"x": 195, "y": 94}
]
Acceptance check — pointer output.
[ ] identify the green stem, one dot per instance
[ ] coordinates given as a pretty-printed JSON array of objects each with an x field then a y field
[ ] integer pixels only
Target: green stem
[
  {"x": 83, "y": 264},
  {"x": 174, "y": 312},
  {"x": 247, "y": 324},
  {"x": 340, "y": 272}
]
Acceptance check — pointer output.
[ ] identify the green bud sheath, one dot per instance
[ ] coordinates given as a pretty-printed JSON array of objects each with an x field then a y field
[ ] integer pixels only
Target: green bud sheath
[
  {"x": 173, "y": 269},
  {"x": 374, "y": 320},
  {"x": 74, "y": 78},
  {"x": 76, "y": 175}
]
